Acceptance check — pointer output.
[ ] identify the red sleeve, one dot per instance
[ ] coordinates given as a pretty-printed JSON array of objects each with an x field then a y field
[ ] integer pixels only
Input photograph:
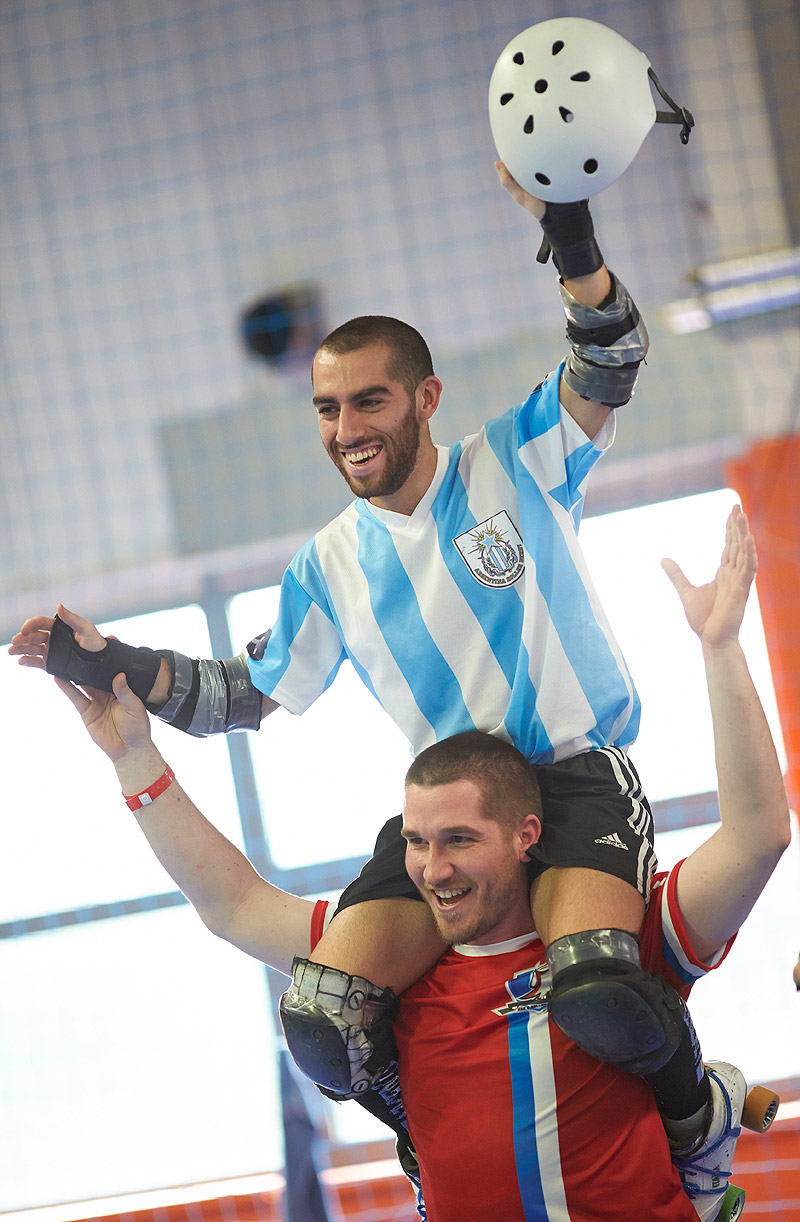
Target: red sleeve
[
  {"x": 318, "y": 921},
  {"x": 676, "y": 917},
  {"x": 666, "y": 946}
]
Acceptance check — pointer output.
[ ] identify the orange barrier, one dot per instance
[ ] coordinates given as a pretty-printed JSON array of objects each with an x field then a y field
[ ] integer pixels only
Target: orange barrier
[
  {"x": 767, "y": 1166},
  {"x": 767, "y": 478},
  {"x": 374, "y": 1191},
  {"x": 385, "y": 1197}
]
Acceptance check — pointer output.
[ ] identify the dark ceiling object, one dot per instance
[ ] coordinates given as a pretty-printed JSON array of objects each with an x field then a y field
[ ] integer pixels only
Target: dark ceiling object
[{"x": 285, "y": 326}]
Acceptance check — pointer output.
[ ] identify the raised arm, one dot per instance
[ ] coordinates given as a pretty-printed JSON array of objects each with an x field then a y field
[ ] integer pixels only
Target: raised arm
[
  {"x": 232, "y": 899},
  {"x": 198, "y": 695},
  {"x": 722, "y": 879},
  {"x": 607, "y": 336}
]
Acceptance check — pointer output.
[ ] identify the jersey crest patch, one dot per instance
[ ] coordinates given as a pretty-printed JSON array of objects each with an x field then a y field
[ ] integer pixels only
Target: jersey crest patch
[
  {"x": 493, "y": 551},
  {"x": 525, "y": 991}
]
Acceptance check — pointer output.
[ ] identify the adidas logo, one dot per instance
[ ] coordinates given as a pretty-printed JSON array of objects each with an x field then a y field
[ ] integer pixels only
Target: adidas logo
[{"x": 613, "y": 840}]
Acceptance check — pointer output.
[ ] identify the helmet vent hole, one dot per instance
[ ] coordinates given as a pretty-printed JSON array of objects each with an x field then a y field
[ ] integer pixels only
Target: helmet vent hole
[
  {"x": 528, "y": 127},
  {"x": 540, "y": 86},
  {"x": 566, "y": 115},
  {"x": 590, "y": 166},
  {"x": 505, "y": 98},
  {"x": 542, "y": 178},
  {"x": 580, "y": 76},
  {"x": 557, "y": 46},
  {"x": 519, "y": 58}
]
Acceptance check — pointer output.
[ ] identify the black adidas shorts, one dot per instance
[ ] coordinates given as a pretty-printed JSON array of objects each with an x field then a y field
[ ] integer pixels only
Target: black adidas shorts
[{"x": 594, "y": 814}]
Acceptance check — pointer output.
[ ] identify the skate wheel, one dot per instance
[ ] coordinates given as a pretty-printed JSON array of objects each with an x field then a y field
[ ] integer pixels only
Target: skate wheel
[
  {"x": 759, "y": 1109},
  {"x": 732, "y": 1204}
]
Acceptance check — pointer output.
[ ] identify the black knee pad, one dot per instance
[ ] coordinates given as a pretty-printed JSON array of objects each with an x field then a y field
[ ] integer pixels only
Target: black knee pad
[
  {"x": 609, "y": 1005},
  {"x": 338, "y": 1028}
]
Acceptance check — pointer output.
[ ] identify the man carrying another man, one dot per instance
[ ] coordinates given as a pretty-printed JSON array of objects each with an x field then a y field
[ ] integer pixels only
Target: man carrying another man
[
  {"x": 509, "y": 1117},
  {"x": 456, "y": 585}
]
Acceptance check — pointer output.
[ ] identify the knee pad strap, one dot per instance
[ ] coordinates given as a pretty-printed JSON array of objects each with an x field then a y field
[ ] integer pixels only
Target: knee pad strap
[
  {"x": 609, "y": 1005},
  {"x": 338, "y": 1028}
]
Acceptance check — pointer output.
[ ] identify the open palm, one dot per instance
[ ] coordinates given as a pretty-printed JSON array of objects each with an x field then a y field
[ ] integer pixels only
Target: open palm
[{"x": 715, "y": 610}]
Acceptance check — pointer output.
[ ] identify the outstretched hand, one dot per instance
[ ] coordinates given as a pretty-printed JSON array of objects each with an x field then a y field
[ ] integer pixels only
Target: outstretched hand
[
  {"x": 116, "y": 722},
  {"x": 525, "y": 200},
  {"x": 32, "y": 641},
  {"x": 714, "y": 611}
]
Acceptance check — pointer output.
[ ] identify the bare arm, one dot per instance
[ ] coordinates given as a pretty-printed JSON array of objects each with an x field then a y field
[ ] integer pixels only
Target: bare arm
[
  {"x": 232, "y": 899},
  {"x": 722, "y": 879}
]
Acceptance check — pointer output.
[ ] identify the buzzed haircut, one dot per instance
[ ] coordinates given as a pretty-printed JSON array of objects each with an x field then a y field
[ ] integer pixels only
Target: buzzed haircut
[
  {"x": 409, "y": 360},
  {"x": 506, "y": 780}
]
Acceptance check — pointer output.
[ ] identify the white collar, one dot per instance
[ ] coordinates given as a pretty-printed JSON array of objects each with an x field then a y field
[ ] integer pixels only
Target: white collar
[{"x": 475, "y": 950}]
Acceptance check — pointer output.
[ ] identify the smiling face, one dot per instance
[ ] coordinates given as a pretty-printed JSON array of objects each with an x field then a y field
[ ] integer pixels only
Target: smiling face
[
  {"x": 374, "y": 430},
  {"x": 469, "y": 869}
]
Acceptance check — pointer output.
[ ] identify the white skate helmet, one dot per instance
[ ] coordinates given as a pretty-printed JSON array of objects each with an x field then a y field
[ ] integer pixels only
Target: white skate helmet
[{"x": 570, "y": 105}]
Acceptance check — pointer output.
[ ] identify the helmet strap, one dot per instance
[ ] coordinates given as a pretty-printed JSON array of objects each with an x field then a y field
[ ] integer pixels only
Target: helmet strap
[{"x": 677, "y": 114}]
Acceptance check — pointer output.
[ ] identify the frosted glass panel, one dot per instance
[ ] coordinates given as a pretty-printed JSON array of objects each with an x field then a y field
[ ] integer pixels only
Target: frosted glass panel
[
  {"x": 136, "y": 1053},
  {"x": 674, "y": 752},
  {"x": 67, "y": 838},
  {"x": 330, "y": 779},
  {"x": 746, "y": 1011}
]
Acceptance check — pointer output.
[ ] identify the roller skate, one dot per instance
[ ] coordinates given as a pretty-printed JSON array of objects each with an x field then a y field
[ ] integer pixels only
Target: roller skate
[
  {"x": 732, "y": 1204},
  {"x": 705, "y": 1166}
]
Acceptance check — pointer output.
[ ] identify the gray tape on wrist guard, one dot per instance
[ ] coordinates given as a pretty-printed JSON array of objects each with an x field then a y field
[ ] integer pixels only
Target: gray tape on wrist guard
[
  {"x": 182, "y": 670},
  {"x": 210, "y": 713},
  {"x": 608, "y": 345},
  {"x": 338, "y": 1027},
  {"x": 210, "y": 697},
  {"x": 244, "y": 711}
]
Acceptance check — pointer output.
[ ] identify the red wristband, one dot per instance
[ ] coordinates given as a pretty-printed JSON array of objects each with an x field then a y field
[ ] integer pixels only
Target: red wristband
[{"x": 137, "y": 800}]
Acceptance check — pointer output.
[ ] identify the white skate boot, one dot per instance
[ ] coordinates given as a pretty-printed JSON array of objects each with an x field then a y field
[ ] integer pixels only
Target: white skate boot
[{"x": 704, "y": 1167}]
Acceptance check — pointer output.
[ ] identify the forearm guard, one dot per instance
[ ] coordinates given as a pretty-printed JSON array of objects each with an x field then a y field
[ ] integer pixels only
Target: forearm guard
[
  {"x": 210, "y": 697},
  {"x": 608, "y": 344}
]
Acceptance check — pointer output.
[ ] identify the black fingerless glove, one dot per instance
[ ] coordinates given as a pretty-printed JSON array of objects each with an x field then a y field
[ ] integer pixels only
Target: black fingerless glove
[{"x": 569, "y": 234}]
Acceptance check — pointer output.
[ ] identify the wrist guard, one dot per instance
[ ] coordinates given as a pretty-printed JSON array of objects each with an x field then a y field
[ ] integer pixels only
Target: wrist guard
[
  {"x": 69, "y": 660},
  {"x": 608, "y": 344},
  {"x": 569, "y": 234}
]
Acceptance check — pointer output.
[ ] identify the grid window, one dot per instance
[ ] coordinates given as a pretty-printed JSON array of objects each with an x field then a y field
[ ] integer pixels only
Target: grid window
[
  {"x": 328, "y": 780},
  {"x": 68, "y": 839},
  {"x": 137, "y": 1053}
]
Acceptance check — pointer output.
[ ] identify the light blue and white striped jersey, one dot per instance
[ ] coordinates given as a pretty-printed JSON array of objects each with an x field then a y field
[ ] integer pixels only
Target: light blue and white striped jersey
[{"x": 477, "y": 611}]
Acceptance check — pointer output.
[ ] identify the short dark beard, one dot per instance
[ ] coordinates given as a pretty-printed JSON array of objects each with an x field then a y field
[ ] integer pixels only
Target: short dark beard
[
  {"x": 401, "y": 452},
  {"x": 503, "y": 894}
]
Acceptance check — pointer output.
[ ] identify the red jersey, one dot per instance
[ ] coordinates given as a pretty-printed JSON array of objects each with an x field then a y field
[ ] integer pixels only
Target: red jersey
[{"x": 512, "y": 1122}]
